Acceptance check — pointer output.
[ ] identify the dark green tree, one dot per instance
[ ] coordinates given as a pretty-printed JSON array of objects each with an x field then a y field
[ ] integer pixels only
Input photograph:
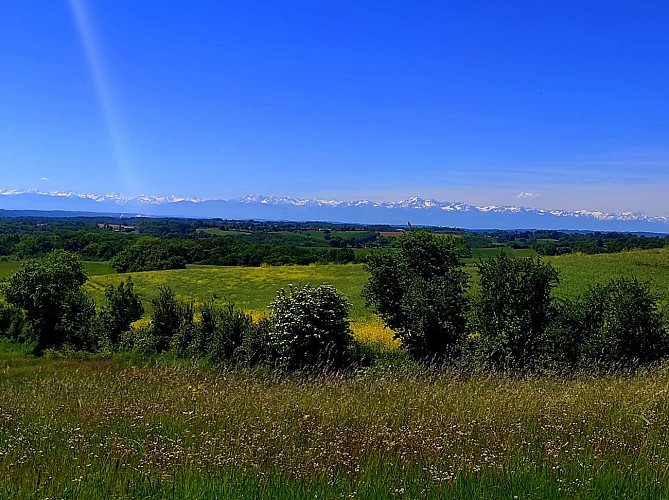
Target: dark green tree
[
  {"x": 50, "y": 292},
  {"x": 220, "y": 332},
  {"x": 12, "y": 319},
  {"x": 123, "y": 307},
  {"x": 513, "y": 308},
  {"x": 622, "y": 323},
  {"x": 168, "y": 317},
  {"x": 151, "y": 254},
  {"x": 419, "y": 291}
]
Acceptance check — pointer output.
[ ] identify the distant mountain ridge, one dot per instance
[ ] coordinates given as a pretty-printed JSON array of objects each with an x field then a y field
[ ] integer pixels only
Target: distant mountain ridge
[{"x": 418, "y": 211}]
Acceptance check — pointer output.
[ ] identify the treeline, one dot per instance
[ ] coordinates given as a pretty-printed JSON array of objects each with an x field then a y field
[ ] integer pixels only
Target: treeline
[
  {"x": 148, "y": 254},
  {"x": 597, "y": 243},
  {"x": 513, "y": 323},
  {"x": 47, "y": 308},
  {"x": 88, "y": 244},
  {"x": 131, "y": 252},
  {"x": 559, "y": 243},
  {"x": 128, "y": 252},
  {"x": 177, "y": 242}
]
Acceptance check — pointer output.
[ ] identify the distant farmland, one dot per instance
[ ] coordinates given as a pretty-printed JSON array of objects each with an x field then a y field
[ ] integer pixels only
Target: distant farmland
[{"x": 252, "y": 288}]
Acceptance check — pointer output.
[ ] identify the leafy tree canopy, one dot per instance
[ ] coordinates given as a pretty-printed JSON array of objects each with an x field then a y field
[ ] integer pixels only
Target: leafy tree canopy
[
  {"x": 419, "y": 291},
  {"x": 49, "y": 291}
]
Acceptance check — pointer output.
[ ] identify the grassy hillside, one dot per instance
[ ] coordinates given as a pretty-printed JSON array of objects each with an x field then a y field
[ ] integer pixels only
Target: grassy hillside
[{"x": 577, "y": 271}]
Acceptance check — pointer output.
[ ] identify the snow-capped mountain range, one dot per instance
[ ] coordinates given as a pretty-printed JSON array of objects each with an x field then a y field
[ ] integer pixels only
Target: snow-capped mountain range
[{"x": 417, "y": 211}]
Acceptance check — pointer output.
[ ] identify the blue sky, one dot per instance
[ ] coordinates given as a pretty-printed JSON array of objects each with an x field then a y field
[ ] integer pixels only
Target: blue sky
[{"x": 545, "y": 104}]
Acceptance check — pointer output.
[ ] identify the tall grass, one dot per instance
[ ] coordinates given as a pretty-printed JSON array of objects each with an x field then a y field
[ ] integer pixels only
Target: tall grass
[{"x": 71, "y": 428}]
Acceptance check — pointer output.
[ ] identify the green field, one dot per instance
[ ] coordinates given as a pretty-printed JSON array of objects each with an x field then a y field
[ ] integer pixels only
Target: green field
[
  {"x": 252, "y": 288},
  {"x": 577, "y": 271},
  {"x": 84, "y": 429},
  {"x": 7, "y": 268},
  {"x": 486, "y": 253}
]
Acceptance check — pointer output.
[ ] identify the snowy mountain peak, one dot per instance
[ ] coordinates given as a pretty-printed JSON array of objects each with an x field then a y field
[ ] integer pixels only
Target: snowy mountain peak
[{"x": 417, "y": 210}]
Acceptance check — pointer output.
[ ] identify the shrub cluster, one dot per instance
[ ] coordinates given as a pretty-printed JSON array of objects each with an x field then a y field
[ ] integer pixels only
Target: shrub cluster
[
  {"x": 47, "y": 306},
  {"x": 306, "y": 329},
  {"x": 514, "y": 323}
]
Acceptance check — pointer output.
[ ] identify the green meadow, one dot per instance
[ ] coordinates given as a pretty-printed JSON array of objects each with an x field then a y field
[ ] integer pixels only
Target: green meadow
[
  {"x": 83, "y": 428},
  {"x": 252, "y": 288},
  {"x": 578, "y": 271},
  {"x": 73, "y": 427}
]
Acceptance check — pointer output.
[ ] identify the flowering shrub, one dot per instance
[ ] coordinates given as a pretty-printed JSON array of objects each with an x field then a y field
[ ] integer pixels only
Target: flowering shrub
[{"x": 309, "y": 327}]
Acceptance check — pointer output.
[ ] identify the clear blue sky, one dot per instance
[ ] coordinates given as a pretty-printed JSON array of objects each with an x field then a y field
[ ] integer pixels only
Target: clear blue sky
[{"x": 474, "y": 101}]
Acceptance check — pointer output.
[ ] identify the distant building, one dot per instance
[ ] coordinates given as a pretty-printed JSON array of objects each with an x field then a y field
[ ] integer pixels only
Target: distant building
[{"x": 119, "y": 227}]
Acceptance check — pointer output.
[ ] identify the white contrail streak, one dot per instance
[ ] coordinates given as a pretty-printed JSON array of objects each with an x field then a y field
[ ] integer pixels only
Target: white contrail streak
[{"x": 103, "y": 88}]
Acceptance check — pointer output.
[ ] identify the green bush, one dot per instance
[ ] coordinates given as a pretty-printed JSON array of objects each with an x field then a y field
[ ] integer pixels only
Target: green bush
[
  {"x": 140, "y": 339},
  {"x": 309, "y": 328},
  {"x": 182, "y": 338},
  {"x": 77, "y": 323},
  {"x": 171, "y": 317},
  {"x": 622, "y": 324},
  {"x": 563, "y": 338},
  {"x": 255, "y": 347},
  {"x": 123, "y": 307},
  {"x": 513, "y": 309},
  {"x": 220, "y": 332},
  {"x": 12, "y": 321},
  {"x": 419, "y": 292},
  {"x": 57, "y": 310}
]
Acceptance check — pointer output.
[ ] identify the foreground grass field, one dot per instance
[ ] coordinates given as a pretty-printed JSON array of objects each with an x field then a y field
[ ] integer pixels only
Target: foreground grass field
[{"x": 81, "y": 429}]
